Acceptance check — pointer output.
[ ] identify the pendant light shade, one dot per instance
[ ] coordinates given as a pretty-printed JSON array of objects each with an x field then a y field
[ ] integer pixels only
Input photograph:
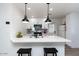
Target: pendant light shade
[
  {"x": 48, "y": 20},
  {"x": 25, "y": 20}
]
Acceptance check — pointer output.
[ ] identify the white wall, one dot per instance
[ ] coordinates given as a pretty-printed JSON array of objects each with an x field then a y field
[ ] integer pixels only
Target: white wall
[
  {"x": 72, "y": 33},
  {"x": 8, "y": 12}
]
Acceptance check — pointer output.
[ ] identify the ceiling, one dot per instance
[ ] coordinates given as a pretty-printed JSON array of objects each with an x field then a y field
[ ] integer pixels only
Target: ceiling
[{"x": 40, "y": 9}]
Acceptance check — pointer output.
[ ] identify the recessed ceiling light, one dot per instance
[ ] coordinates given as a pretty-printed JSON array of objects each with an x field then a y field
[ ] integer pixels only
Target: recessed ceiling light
[
  {"x": 29, "y": 8},
  {"x": 50, "y": 9}
]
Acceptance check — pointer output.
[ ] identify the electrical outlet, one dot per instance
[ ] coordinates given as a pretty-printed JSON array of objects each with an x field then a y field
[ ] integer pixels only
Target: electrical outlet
[{"x": 7, "y": 22}]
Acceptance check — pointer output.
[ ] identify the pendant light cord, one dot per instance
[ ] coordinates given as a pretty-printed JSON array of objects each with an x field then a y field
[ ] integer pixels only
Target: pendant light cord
[
  {"x": 25, "y": 19},
  {"x": 47, "y": 20},
  {"x": 25, "y": 9},
  {"x": 48, "y": 9}
]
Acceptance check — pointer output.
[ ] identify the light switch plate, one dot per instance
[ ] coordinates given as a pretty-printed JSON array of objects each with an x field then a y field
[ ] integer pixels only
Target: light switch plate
[{"x": 7, "y": 22}]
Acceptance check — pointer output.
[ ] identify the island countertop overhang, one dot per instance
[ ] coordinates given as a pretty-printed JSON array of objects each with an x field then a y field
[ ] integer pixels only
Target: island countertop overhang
[{"x": 46, "y": 39}]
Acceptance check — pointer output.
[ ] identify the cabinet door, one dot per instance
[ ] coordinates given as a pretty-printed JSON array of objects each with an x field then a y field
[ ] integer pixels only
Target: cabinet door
[
  {"x": 51, "y": 28},
  {"x": 62, "y": 27},
  {"x": 62, "y": 32}
]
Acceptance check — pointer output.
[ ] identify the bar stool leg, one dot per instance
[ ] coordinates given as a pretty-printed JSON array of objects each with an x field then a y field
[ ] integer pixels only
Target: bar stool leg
[
  {"x": 21, "y": 54},
  {"x": 45, "y": 54},
  {"x": 55, "y": 54},
  {"x": 18, "y": 54},
  {"x": 29, "y": 54}
]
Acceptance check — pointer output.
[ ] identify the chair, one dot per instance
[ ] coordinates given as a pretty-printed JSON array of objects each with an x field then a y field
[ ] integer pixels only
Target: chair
[
  {"x": 24, "y": 51},
  {"x": 50, "y": 50}
]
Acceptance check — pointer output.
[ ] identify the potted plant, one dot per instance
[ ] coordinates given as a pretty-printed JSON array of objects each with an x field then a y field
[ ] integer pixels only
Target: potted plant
[{"x": 19, "y": 35}]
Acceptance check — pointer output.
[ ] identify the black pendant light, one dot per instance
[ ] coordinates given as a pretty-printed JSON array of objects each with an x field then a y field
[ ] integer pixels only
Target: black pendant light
[
  {"x": 48, "y": 20},
  {"x": 25, "y": 20}
]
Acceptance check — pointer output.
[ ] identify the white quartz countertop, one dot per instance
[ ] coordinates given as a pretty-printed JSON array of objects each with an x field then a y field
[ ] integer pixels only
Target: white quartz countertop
[{"x": 48, "y": 39}]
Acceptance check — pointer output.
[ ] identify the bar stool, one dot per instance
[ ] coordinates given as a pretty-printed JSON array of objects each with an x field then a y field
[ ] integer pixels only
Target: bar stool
[
  {"x": 24, "y": 51},
  {"x": 50, "y": 50}
]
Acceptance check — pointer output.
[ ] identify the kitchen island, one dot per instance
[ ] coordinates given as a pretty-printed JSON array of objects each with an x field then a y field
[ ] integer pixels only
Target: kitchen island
[
  {"x": 45, "y": 39},
  {"x": 37, "y": 44}
]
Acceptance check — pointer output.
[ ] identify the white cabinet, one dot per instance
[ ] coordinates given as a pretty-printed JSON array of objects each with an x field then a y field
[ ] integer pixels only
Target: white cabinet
[
  {"x": 62, "y": 32},
  {"x": 51, "y": 28},
  {"x": 62, "y": 27}
]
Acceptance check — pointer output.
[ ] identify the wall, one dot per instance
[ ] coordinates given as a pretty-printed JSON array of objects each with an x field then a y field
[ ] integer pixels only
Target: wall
[
  {"x": 72, "y": 33},
  {"x": 8, "y": 12}
]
